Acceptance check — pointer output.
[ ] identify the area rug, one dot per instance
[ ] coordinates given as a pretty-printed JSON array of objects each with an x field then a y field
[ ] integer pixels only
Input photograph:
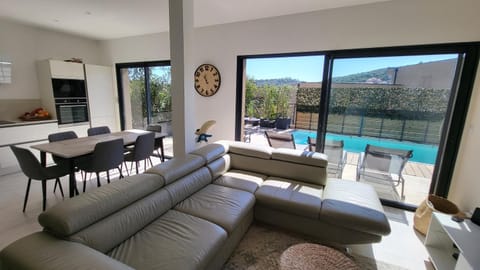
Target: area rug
[{"x": 262, "y": 248}]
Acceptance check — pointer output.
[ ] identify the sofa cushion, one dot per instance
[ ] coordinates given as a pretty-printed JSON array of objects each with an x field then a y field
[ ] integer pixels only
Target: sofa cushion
[
  {"x": 174, "y": 241},
  {"x": 212, "y": 151},
  {"x": 294, "y": 197},
  {"x": 221, "y": 205},
  {"x": 250, "y": 150},
  {"x": 353, "y": 205},
  {"x": 243, "y": 180},
  {"x": 300, "y": 157},
  {"x": 177, "y": 167},
  {"x": 74, "y": 214}
]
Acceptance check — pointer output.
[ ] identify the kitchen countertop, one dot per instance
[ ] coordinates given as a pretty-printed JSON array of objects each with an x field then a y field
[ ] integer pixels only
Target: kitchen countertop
[{"x": 25, "y": 123}]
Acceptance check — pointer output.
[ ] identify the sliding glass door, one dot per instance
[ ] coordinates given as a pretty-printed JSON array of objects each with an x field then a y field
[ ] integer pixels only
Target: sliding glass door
[
  {"x": 394, "y": 105},
  {"x": 145, "y": 97},
  {"x": 392, "y": 111}
]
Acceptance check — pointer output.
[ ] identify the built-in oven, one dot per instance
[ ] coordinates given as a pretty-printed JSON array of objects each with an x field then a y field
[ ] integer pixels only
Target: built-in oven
[
  {"x": 71, "y": 102},
  {"x": 71, "y": 111}
]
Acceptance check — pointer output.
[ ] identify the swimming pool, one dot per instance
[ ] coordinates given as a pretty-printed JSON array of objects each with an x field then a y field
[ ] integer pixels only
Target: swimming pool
[{"x": 424, "y": 153}]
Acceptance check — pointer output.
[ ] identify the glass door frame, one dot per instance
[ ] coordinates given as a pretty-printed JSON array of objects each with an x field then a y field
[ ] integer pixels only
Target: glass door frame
[
  {"x": 455, "y": 116},
  {"x": 121, "y": 98}
]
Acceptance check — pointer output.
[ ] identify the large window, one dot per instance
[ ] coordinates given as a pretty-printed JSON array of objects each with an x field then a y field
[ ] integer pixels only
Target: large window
[
  {"x": 410, "y": 99},
  {"x": 145, "y": 97}
]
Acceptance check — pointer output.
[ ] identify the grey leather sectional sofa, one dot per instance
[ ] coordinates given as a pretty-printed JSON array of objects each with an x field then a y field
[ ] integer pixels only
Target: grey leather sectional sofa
[{"x": 192, "y": 211}]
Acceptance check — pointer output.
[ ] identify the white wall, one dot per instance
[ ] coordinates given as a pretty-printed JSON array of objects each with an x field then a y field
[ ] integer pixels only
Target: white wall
[
  {"x": 391, "y": 23},
  {"x": 23, "y": 45}
]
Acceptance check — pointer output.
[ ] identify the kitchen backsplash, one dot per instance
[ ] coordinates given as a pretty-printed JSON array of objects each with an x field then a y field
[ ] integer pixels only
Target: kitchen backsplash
[{"x": 11, "y": 109}]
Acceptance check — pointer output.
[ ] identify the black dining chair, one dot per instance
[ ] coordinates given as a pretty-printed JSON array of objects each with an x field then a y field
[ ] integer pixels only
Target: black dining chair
[
  {"x": 61, "y": 136},
  {"x": 106, "y": 155},
  {"x": 158, "y": 141},
  {"x": 142, "y": 150},
  {"x": 98, "y": 130},
  {"x": 32, "y": 168}
]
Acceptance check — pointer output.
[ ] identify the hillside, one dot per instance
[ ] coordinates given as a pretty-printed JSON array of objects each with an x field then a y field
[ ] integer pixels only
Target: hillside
[
  {"x": 373, "y": 76},
  {"x": 277, "y": 82},
  {"x": 379, "y": 76}
]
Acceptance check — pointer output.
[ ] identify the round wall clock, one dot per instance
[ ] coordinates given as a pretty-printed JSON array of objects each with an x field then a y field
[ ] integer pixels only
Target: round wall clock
[{"x": 207, "y": 80}]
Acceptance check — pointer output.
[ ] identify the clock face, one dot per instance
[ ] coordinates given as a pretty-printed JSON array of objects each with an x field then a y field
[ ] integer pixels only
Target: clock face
[{"x": 207, "y": 80}]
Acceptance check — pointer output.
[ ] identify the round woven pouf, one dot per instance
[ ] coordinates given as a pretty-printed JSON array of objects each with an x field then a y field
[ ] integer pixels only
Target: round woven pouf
[{"x": 313, "y": 256}]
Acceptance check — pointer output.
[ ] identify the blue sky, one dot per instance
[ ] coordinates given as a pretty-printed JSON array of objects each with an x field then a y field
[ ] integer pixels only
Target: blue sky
[{"x": 310, "y": 68}]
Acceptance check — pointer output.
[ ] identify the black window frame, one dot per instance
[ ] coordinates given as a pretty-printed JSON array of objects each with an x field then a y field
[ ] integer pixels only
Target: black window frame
[
  {"x": 121, "y": 98},
  {"x": 457, "y": 112}
]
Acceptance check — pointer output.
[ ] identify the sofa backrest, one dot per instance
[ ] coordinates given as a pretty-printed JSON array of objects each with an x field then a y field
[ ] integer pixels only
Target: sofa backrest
[
  {"x": 70, "y": 216},
  {"x": 294, "y": 164},
  {"x": 177, "y": 167},
  {"x": 109, "y": 215},
  {"x": 215, "y": 157}
]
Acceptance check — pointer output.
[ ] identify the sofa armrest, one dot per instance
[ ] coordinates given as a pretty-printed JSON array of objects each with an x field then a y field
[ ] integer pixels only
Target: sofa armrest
[{"x": 43, "y": 251}]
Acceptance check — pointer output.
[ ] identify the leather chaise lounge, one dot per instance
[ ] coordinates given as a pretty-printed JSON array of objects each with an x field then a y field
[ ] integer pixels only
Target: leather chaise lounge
[{"x": 191, "y": 212}]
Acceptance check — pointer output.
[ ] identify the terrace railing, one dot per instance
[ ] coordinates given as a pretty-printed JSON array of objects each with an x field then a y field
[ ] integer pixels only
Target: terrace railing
[{"x": 421, "y": 131}]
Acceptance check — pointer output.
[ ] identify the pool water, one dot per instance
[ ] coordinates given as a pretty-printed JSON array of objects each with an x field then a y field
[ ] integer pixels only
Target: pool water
[{"x": 424, "y": 153}]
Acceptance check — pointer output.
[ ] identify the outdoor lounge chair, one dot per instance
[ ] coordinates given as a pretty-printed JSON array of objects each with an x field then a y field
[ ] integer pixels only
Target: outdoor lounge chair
[
  {"x": 337, "y": 156},
  {"x": 381, "y": 164},
  {"x": 280, "y": 140}
]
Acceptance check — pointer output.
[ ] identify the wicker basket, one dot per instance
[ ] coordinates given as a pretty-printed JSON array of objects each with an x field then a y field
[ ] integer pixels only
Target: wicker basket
[{"x": 421, "y": 219}]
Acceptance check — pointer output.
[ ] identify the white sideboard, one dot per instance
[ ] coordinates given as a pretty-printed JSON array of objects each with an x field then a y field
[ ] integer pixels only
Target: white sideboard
[{"x": 446, "y": 237}]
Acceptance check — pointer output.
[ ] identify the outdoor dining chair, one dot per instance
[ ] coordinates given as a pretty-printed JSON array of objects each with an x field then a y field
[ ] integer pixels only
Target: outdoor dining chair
[
  {"x": 337, "y": 156},
  {"x": 280, "y": 140},
  {"x": 382, "y": 164},
  {"x": 32, "y": 168}
]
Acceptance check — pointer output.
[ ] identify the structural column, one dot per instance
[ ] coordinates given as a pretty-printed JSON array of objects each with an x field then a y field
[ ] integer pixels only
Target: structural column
[{"x": 181, "y": 42}]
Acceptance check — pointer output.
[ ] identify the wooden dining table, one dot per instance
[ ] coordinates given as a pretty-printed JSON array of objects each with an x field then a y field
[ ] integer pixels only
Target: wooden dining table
[{"x": 74, "y": 148}]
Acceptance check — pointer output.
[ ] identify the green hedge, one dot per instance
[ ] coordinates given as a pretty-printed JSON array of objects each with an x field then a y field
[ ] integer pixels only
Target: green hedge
[{"x": 394, "y": 103}]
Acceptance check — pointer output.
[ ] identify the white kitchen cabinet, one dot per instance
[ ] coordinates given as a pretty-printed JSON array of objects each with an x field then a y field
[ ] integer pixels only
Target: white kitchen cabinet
[
  {"x": 66, "y": 70},
  {"x": 23, "y": 134},
  {"x": 102, "y": 99},
  {"x": 99, "y": 82}
]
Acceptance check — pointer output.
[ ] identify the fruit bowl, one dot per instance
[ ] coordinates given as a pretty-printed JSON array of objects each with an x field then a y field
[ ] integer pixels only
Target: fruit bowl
[{"x": 36, "y": 115}]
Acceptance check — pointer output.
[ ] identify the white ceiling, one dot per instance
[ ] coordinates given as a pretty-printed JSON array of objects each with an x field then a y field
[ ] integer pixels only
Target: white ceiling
[{"x": 109, "y": 19}]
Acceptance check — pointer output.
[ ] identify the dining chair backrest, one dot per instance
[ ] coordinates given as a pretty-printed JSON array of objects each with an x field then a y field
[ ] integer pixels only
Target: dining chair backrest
[
  {"x": 29, "y": 164},
  {"x": 61, "y": 136},
  {"x": 107, "y": 155},
  {"x": 280, "y": 140},
  {"x": 144, "y": 146},
  {"x": 98, "y": 130}
]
